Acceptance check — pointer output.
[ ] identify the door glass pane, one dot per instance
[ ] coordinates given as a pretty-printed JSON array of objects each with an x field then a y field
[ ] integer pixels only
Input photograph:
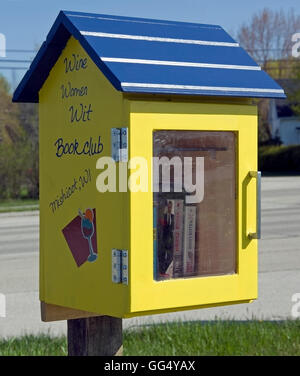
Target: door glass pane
[{"x": 194, "y": 203}]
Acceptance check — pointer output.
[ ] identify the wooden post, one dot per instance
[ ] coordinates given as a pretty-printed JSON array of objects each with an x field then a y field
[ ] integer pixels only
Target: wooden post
[{"x": 95, "y": 336}]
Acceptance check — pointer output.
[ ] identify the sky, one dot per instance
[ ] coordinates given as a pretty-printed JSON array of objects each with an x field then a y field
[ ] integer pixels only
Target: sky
[{"x": 25, "y": 23}]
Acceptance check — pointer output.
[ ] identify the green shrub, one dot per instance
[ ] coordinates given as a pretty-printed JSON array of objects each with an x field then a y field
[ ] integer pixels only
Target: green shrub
[{"x": 279, "y": 159}]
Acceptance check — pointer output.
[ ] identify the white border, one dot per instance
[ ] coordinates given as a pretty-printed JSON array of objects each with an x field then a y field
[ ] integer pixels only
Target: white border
[
  {"x": 158, "y": 39},
  {"x": 209, "y": 88},
  {"x": 178, "y": 63}
]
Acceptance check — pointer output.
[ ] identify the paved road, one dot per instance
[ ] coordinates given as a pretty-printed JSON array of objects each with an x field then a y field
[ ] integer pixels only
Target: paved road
[{"x": 279, "y": 267}]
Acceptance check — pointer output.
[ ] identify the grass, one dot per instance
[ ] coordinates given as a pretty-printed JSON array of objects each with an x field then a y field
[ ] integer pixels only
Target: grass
[
  {"x": 42, "y": 345},
  {"x": 18, "y": 205},
  {"x": 260, "y": 338},
  {"x": 216, "y": 338}
]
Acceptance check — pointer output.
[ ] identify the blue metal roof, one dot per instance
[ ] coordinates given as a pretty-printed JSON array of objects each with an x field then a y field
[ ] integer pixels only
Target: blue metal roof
[{"x": 153, "y": 56}]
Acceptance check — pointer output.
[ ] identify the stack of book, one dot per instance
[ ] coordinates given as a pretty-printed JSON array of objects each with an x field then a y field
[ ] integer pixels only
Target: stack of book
[{"x": 174, "y": 227}]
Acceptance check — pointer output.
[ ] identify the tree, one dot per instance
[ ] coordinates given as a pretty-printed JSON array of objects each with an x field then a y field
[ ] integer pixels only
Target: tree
[
  {"x": 294, "y": 92},
  {"x": 18, "y": 146},
  {"x": 9, "y": 126},
  {"x": 268, "y": 38}
]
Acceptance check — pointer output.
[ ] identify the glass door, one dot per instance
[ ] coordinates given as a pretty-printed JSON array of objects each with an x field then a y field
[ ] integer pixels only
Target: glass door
[{"x": 194, "y": 203}]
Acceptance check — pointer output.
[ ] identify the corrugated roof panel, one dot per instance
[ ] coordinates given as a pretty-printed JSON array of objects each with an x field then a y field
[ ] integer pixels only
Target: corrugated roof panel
[
  {"x": 153, "y": 56},
  {"x": 194, "y": 80},
  {"x": 147, "y": 27},
  {"x": 140, "y": 49}
]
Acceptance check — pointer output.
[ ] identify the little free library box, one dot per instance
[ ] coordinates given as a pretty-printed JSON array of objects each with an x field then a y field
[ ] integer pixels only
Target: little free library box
[{"x": 149, "y": 189}]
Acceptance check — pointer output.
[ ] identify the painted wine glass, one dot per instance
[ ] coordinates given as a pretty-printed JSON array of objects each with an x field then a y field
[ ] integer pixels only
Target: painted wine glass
[{"x": 87, "y": 230}]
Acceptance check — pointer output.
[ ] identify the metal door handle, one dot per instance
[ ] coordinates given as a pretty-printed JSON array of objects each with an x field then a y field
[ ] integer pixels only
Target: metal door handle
[{"x": 257, "y": 234}]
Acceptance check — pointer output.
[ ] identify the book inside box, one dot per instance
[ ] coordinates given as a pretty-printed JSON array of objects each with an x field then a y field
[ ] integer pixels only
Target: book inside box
[{"x": 194, "y": 234}]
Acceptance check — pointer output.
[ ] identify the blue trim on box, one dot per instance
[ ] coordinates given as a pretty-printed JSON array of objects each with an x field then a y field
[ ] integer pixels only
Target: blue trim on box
[
  {"x": 202, "y": 92},
  {"x": 114, "y": 44},
  {"x": 28, "y": 89},
  {"x": 56, "y": 40},
  {"x": 93, "y": 55}
]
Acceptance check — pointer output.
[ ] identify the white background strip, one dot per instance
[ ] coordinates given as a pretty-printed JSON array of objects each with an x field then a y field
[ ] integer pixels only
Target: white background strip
[
  {"x": 158, "y": 39},
  {"x": 191, "y": 87},
  {"x": 178, "y": 63}
]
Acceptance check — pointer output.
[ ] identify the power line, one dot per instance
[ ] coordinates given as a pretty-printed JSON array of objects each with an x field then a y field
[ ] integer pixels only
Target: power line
[
  {"x": 14, "y": 68},
  {"x": 266, "y": 49},
  {"x": 22, "y": 51},
  {"x": 14, "y": 61},
  {"x": 19, "y": 51}
]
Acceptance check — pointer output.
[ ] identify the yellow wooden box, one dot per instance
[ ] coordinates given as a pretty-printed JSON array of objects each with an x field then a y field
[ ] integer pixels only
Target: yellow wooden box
[{"x": 78, "y": 108}]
